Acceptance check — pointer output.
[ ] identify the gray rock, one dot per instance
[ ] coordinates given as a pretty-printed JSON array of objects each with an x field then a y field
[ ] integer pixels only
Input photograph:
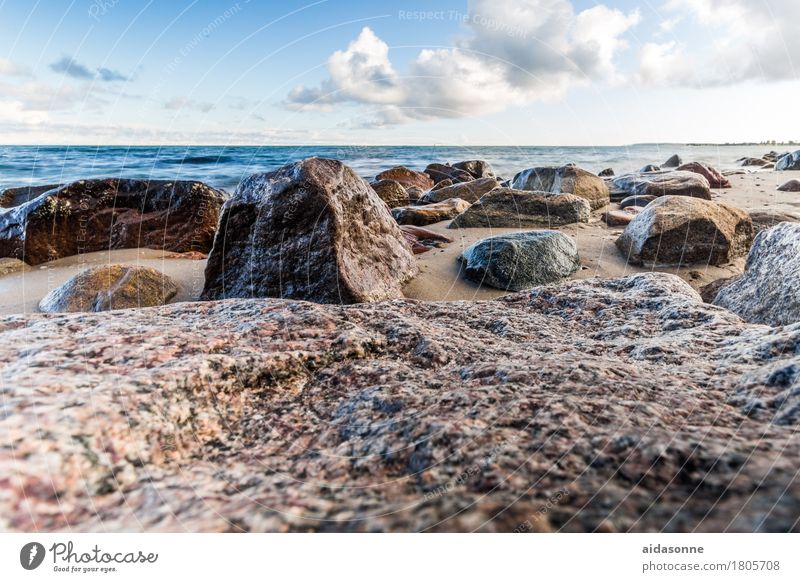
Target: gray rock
[
  {"x": 790, "y": 186},
  {"x": 673, "y": 162},
  {"x": 642, "y": 201},
  {"x": 789, "y": 162},
  {"x": 568, "y": 179},
  {"x": 522, "y": 260},
  {"x": 768, "y": 291},
  {"x": 478, "y": 168},
  {"x": 469, "y": 191},
  {"x": 440, "y": 172},
  {"x": 505, "y": 207},
  {"x": 679, "y": 230},
  {"x": 310, "y": 230},
  {"x": 430, "y": 213},
  {"x": 669, "y": 183},
  {"x": 608, "y": 172},
  {"x": 758, "y": 162},
  {"x": 110, "y": 287},
  {"x": 649, "y": 168}
]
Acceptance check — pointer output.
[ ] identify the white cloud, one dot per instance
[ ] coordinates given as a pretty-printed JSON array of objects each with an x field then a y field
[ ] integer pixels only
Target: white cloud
[
  {"x": 11, "y": 68},
  {"x": 516, "y": 51},
  {"x": 743, "y": 40}
]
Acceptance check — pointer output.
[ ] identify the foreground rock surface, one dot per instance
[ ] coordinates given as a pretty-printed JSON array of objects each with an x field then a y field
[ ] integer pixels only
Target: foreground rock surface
[
  {"x": 110, "y": 287},
  {"x": 521, "y": 260},
  {"x": 274, "y": 415},
  {"x": 678, "y": 230},
  {"x": 569, "y": 179},
  {"x": 95, "y": 215},
  {"x": 769, "y": 290},
  {"x": 310, "y": 230},
  {"x": 505, "y": 207}
]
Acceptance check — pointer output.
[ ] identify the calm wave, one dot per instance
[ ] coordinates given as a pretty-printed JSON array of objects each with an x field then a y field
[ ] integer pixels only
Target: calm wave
[{"x": 224, "y": 167}]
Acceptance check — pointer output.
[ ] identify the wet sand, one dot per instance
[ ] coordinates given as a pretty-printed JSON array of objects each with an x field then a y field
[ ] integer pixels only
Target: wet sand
[{"x": 439, "y": 278}]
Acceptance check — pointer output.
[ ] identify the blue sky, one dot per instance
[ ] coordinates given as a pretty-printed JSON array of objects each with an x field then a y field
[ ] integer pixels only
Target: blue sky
[{"x": 520, "y": 72}]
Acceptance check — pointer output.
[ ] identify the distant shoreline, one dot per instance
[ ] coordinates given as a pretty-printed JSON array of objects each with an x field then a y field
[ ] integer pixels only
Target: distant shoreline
[{"x": 438, "y": 145}]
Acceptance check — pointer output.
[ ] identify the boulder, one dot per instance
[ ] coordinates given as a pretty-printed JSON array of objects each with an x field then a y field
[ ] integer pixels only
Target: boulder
[
  {"x": 620, "y": 217},
  {"x": 671, "y": 183},
  {"x": 505, "y": 207},
  {"x": 622, "y": 405},
  {"x": 8, "y": 266},
  {"x": 11, "y": 197},
  {"x": 95, "y": 215},
  {"x": 469, "y": 191},
  {"x": 767, "y": 292},
  {"x": 443, "y": 184},
  {"x": 440, "y": 172},
  {"x": 673, "y": 162},
  {"x": 608, "y": 172},
  {"x": 430, "y": 213},
  {"x": 108, "y": 287},
  {"x": 477, "y": 168},
  {"x": 747, "y": 162},
  {"x": 422, "y": 239},
  {"x": 568, "y": 179},
  {"x": 521, "y": 260},
  {"x": 789, "y": 162},
  {"x": 650, "y": 168},
  {"x": 764, "y": 219},
  {"x": 714, "y": 177},
  {"x": 679, "y": 230},
  {"x": 391, "y": 192},
  {"x": 414, "y": 194},
  {"x": 407, "y": 177},
  {"x": 790, "y": 186},
  {"x": 311, "y": 230},
  {"x": 709, "y": 291},
  {"x": 640, "y": 201}
]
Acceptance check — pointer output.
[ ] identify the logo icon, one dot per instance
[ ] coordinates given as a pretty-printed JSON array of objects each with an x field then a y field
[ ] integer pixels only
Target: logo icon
[{"x": 31, "y": 555}]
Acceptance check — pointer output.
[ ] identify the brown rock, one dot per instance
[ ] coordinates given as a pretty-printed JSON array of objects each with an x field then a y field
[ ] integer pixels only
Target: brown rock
[
  {"x": 110, "y": 287},
  {"x": 680, "y": 230},
  {"x": 430, "y": 213},
  {"x": 709, "y": 292},
  {"x": 621, "y": 217},
  {"x": 669, "y": 183},
  {"x": 477, "y": 168},
  {"x": 621, "y": 405},
  {"x": 764, "y": 219},
  {"x": 790, "y": 186},
  {"x": 505, "y": 207},
  {"x": 310, "y": 230},
  {"x": 406, "y": 177},
  {"x": 714, "y": 177},
  {"x": 94, "y": 215},
  {"x": 469, "y": 191},
  {"x": 391, "y": 192},
  {"x": 440, "y": 172},
  {"x": 422, "y": 239},
  {"x": 8, "y": 266},
  {"x": 16, "y": 196}
]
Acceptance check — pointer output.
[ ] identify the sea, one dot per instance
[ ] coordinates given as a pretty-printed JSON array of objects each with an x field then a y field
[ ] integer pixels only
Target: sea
[{"x": 225, "y": 166}]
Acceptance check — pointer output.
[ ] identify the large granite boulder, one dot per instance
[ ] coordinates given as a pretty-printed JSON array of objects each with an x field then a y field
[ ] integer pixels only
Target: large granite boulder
[
  {"x": 669, "y": 183},
  {"x": 477, "y": 168},
  {"x": 407, "y": 177},
  {"x": 469, "y": 191},
  {"x": 679, "y": 230},
  {"x": 769, "y": 290},
  {"x": 430, "y": 213},
  {"x": 391, "y": 192},
  {"x": 108, "y": 287},
  {"x": 569, "y": 179},
  {"x": 441, "y": 172},
  {"x": 619, "y": 405},
  {"x": 505, "y": 207},
  {"x": 310, "y": 230},
  {"x": 789, "y": 161},
  {"x": 521, "y": 260},
  {"x": 714, "y": 176},
  {"x": 95, "y": 215}
]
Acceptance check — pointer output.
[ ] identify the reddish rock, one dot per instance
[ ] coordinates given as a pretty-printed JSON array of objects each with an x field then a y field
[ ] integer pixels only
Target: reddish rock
[
  {"x": 407, "y": 177},
  {"x": 95, "y": 215},
  {"x": 714, "y": 177},
  {"x": 391, "y": 192},
  {"x": 423, "y": 239}
]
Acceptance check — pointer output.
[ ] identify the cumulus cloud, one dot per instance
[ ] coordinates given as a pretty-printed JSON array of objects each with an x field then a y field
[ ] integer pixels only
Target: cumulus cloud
[
  {"x": 513, "y": 52},
  {"x": 72, "y": 68},
  {"x": 743, "y": 40}
]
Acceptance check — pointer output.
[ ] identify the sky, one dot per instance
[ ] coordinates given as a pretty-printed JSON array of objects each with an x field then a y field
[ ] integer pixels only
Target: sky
[{"x": 471, "y": 72}]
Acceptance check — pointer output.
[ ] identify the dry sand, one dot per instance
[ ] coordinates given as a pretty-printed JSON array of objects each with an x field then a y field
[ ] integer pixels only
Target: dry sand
[{"x": 439, "y": 277}]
